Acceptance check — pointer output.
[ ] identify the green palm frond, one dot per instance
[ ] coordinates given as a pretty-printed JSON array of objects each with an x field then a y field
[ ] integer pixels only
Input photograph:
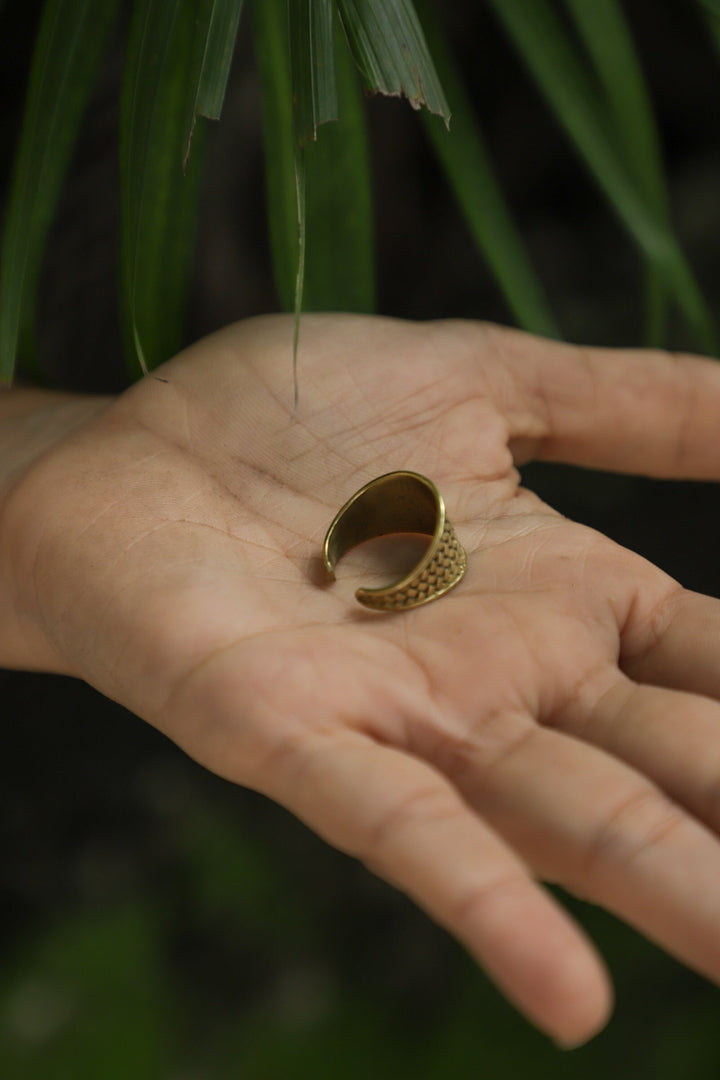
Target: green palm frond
[
  {"x": 389, "y": 47},
  {"x": 310, "y": 53},
  {"x": 539, "y": 36},
  {"x": 468, "y": 167},
  {"x": 318, "y": 180},
  {"x": 219, "y": 23},
  {"x": 163, "y": 66},
  {"x": 607, "y": 39},
  {"x": 72, "y": 39},
  {"x": 312, "y": 48}
]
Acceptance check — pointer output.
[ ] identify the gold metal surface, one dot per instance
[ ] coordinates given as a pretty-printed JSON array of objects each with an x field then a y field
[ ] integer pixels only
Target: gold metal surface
[{"x": 399, "y": 502}]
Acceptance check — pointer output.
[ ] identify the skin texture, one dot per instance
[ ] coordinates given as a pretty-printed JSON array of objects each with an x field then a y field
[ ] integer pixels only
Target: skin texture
[{"x": 553, "y": 718}]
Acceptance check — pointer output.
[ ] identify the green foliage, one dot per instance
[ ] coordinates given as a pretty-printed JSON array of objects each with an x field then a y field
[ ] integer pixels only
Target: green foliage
[
  {"x": 87, "y": 999},
  {"x": 71, "y": 40},
  {"x": 540, "y": 38},
  {"x": 163, "y": 68},
  {"x": 713, "y": 6},
  {"x": 223, "y": 22},
  {"x": 340, "y": 273},
  {"x": 606, "y": 37},
  {"x": 469, "y": 171},
  {"x": 389, "y": 47},
  {"x": 312, "y": 47},
  {"x": 272, "y": 53},
  {"x": 177, "y": 65},
  {"x": 338, "y": 201}
]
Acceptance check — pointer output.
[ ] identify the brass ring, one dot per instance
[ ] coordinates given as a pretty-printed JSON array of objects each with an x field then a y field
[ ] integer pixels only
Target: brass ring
[{"x": 399, "y": 502}]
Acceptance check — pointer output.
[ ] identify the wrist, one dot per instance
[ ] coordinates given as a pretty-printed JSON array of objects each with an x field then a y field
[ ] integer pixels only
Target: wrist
[{"x": 32, "y": 424}]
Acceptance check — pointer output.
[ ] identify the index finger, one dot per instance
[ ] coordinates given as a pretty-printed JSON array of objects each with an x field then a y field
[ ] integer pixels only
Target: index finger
[
  {"x": 627, "y": 410},
  {"x": 407, "y": 823}
]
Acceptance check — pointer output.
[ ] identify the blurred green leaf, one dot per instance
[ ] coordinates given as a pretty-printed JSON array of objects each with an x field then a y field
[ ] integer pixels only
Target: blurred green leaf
[
  {"x": 687, "y": 1042},
  {"x": 339, "y": 274},
  {"x": 713, "y": 6},
  {"x": 72, "y": 38},
  {"x": 159, "y": 204},
  {"x": 221, "y": 19},
  {"x": 713, "y": 20},
  {"x": 606, "y": 35},
  {"x": 312, "y": 53},
  {"x": 469, "y": 170},
  {"x": 87, "y": 1000},
  {"x": 389, "y": 47},
  {"x": 539, "y": 36}
]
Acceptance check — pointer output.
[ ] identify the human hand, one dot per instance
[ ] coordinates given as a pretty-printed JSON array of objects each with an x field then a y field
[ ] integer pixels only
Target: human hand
[{"x": 554, "y": 717}]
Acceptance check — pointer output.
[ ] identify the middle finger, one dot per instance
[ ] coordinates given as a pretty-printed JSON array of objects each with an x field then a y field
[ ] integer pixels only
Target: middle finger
[
  {"x": 596, "y": 826},
  {"x": 670, "y": 736}
]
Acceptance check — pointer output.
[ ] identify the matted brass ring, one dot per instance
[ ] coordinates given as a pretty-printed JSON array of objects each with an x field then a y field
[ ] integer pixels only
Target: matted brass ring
[{"x": 399, "y": 502}]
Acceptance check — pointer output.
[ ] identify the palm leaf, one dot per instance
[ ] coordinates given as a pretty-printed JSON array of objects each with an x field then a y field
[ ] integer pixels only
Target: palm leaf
[
  {"x": 388, "y": 44},
  {"x": 540, "y": 38},
  {"x": 272, "y": 53},
  {"x": 220, "y": 20},
  {"x": 314, "y": 98},
  {"x": 338, "y": 220},
  {"x": 712, "y": 8},
  {"x": 158, "y": 202},
  {"x": 71, "y": 41},
  {"x": 312, "y": 62},
  {"x": 467, "y": 165},
  {"x": 606, "y": 36},
  {"x": 340, "y": 272}
]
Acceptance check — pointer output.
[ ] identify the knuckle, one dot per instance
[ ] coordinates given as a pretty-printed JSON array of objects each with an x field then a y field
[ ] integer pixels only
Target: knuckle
[
  {"x": 647, "y": 623},
  {"x": 471, "y": 905},
  {"x": 427, "y": 805},
  {"x": 640, "y": 824},
  {"x": 490, "y": 743},
  {"x": 584, "y": 694}
]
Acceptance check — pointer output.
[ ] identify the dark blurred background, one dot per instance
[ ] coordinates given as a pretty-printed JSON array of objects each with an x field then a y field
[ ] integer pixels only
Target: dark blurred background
[{"x": 157, "y": 922}]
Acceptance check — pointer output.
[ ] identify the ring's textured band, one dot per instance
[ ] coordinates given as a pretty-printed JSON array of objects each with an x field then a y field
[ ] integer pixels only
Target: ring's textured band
[{"x": 399, "y": 502}]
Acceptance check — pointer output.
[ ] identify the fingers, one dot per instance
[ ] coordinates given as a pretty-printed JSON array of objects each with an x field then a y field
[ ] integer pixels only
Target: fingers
[
  {"x": 406, "y": 821},
  {"x": 661, "y": 713},
  {"x": 593, "y": 824},
  {"x": 676, "y": 644},
  {"x": 636, "y": 411},
  {"x": 670, "y": 736}
]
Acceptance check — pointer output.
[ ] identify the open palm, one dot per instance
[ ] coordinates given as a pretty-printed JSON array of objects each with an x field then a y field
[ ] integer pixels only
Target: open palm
[{"x": 553, "y": 717}]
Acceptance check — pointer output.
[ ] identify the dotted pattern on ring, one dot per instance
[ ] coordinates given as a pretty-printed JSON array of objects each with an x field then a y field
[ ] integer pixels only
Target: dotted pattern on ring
[{"x": 446, "y": 568}]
